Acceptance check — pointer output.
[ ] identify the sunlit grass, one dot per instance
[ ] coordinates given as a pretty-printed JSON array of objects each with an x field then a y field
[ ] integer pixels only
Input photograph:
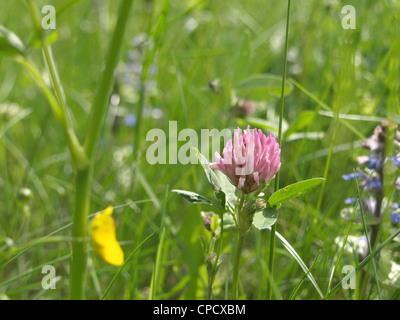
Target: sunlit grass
[{"x": 193, "y": 44}]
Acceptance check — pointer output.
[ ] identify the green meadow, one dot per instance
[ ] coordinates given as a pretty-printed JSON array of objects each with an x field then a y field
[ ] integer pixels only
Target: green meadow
[{"x": 77, "y": 103}]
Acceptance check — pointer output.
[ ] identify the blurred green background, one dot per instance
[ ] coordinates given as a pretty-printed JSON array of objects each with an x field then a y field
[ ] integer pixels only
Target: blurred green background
[{"x": 193, "y": 61}]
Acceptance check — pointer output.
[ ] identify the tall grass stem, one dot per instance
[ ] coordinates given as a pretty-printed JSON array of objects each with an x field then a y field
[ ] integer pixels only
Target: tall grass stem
[{"x": 276, "y": 187}]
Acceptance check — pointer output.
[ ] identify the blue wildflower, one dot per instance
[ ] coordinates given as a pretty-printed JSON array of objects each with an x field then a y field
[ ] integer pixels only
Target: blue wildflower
[
  {"x": 130, "y": 120},
  {"x": 395, "y": 217},
  {"x": 353, "y": 176},
  {"x": 374, "y": 162},
  {"x": 396, "y": 159},
  {"x": 350, "y": 200},
  {"x": 373, "y": 183}
]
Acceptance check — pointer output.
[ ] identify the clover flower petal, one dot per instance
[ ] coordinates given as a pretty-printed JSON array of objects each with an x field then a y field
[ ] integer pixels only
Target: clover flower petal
[{"x": 248, "y": 159}]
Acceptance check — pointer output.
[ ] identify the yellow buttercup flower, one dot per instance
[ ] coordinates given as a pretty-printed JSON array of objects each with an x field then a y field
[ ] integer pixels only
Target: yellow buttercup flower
[{"x": 104, "y": 240}]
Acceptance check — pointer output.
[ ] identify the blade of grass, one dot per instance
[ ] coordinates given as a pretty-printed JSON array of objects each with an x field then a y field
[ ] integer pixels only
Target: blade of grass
[
  {"x": 363, "y": 263},
  {"x": 31, "y": 173},
  {"x": 276, "y": 186},
  {"x": 47, "y": 236},
  {"x": 327, "y": 108},
  {"x": 294, "y": 293},
  {"x": 295, "y": 255},
  {"x": 125, "y": 263},
  {"x": 84, "y": 174},
  {"x": 366, "y": 235},
  {"x": 147, "y": 187},
  {"x": 33, "y": 270},
  {"x": 157, "y": 265},
  {"x": 156, "y": 34},
  {"x": 341, "y": 250},
  {"x": 15, "y": 119},
  {"x": 167, "y": 220},
  {"x": 354, "y": 117}
]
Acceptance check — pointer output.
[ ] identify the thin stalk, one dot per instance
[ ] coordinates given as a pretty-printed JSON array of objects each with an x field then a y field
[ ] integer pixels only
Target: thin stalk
[
  {"x": 370, "y": 246},
  {"x": 35, "y": 74},
  {"x": 215, "y": 267},
  {"x": 341, "y": 251},
  {"x": 125, "y": 263},
  {"x": 156, "y": 35},
  {"x": 276, "y": 187},
  {"x": 239, "y": 245},
  {"x": 101, "y": 100},
  {"x": 79, "y": 230},
  {"x": 61, "y": 110},
  {"x": 236, "y": 263},
  {"x": 84, "y": 177},
  {"x": 157, "y": 267},
  {"x": 364, "y": 262}
]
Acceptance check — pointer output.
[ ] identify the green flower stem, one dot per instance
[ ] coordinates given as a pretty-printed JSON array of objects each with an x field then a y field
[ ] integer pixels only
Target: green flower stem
[
  {"x": 215, "y": 267},
  {"x": 271, "y": 259},
  {"x": 82, "y": 156},
  {"x": 103, "y": 91},
  {"x": 79, "y": 231},
  {"x": 273, "y": 228},
  {"x": 79, "y": 158},
  {"x": 236, "y": 263},
  {"x": 48, "y": 56},
  {"x": 35, "y": 74},
  {"x": 84, "y": 177},
  {"x": 58, "y": 103},
  {"x": 238, "y": 248}
]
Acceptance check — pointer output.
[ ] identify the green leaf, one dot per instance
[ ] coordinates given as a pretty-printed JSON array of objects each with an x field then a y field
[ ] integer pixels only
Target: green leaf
[
  {"x": 10, "y": 44},
  {"x": 259, "y": 123},
  {"x": 301, "y": 122},
  {"x": 194, "y": 197},
  {"x": 260, "y": 87},
  {"x": 265, "y": 218},
  {"x": 228, "y": 188},
  {"x": 220, "y": 197},
  {"x": 212, "y": 177},
  {"x": 293, "y": 191},
  {"x": 218, "y": 181}
]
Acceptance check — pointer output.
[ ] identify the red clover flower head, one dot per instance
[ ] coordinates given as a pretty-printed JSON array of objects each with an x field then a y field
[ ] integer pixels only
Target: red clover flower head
[{"x": 249, "y": 159}]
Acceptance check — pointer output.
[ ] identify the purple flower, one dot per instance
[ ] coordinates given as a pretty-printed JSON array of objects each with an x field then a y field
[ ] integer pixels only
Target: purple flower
[
  {"x": 374, "y": 161},
  {"x": 371, "y": 183},
  {"x": 249, "y": 159},
  {"x": 350, "y": 200},
  {"x": 353, "y": 176},
  {"x": 130, "y": 120},
  {"x": 375, "y": 143},
  {"x": 396, "y": 159},
  {"x": 395, "y": 217}
]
